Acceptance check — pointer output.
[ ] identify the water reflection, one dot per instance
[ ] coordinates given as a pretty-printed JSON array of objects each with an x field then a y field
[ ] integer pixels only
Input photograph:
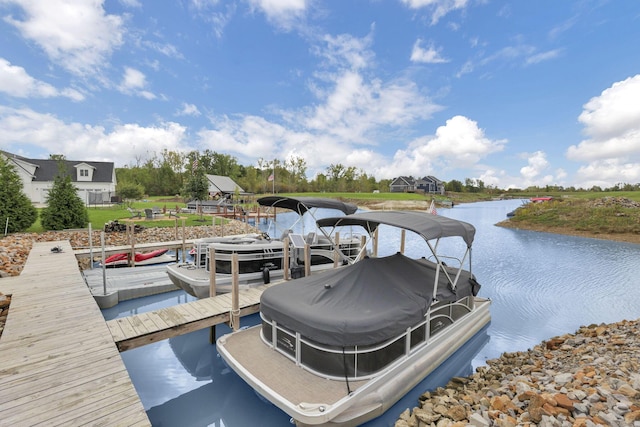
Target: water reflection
[{"x": 541, "y": 284}]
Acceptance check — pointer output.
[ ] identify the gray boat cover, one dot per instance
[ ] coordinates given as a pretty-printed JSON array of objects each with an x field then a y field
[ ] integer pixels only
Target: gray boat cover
[
  {"x": 427, "y": 225},
  {"x": 365, "y": 303},
  {"x": 302, "y": 204}
]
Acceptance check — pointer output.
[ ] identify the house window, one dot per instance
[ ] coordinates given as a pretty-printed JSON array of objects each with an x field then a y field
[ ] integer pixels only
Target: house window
[{"x": 84, "y": 172}]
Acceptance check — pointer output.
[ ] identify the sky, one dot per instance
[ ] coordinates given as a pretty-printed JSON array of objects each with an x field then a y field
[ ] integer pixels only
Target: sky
[{"x": 513, "y": 93}]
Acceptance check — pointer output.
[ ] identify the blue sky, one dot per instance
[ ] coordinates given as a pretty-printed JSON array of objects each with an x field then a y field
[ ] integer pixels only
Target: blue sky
[{"x": 514, "y": 93}]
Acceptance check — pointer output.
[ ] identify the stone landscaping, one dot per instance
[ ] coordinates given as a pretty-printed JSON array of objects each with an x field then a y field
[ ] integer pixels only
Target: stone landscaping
[{"x": 584, "y": 379}]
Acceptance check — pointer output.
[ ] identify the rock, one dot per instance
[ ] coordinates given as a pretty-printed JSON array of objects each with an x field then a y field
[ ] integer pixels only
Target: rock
[{"x": 588, "y": 378}]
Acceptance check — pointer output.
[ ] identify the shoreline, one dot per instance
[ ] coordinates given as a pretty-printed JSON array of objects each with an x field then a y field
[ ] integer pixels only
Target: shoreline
[
  {"x": 614, "y": 237},
  {"x": 588, "y": 378}
]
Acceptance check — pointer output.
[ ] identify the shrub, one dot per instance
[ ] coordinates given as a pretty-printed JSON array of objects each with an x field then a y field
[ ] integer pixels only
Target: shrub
[
  {"x": 17, "y": 213},
  {"x": 64, "y": 208}
]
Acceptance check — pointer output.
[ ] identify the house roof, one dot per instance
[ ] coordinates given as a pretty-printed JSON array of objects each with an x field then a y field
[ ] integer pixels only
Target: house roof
[
  {"x": 408, "y": 180},
  {"x": 47, "y": 170},
  {"x": 223, "y": 184}
]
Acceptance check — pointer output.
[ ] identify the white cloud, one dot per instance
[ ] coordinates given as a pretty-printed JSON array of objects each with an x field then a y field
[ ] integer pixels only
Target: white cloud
[
  {"x": 543, "y": 56},
  {"x": 75, "y": 34},
  {"x": 430, "y": 55},
  {"x": 536, "y": 164},
  {"x": 132, "y": 3},
  {"x": 285, "y": 14},
  {"x": 133, "y": 82},
  {"x": 188, "y": 110},
  {"x": 15, "y": 81},
  {"x": 122, "y": 143},
  {"x": 612, "y": 124},
  {"x": 346, "y": 51},
  {"x": 439, "y": 7},
  {"x": 459, "y": 144}
]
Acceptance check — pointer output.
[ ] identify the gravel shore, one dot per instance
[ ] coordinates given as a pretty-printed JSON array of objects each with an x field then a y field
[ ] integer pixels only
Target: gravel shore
[{"x": 588, "y": 378}]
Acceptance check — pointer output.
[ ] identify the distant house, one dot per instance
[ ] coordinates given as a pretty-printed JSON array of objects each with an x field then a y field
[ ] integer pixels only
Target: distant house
[
  {"x": 95, "y": 181},
  {"x": 403, "y": 184},
  {"x": 224, "y": 187},
  {"x": 430, "y": 184},
  {"x": 408, "y": 184}
]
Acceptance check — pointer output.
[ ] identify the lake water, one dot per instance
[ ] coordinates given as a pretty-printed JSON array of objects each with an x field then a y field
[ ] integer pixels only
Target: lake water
[{"x": 542, "y": 285}]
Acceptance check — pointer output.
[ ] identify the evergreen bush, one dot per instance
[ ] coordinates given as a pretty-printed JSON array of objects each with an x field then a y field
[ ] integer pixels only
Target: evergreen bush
[
  {"x": 17, "y": 213},
  {"x": 65, "y": 209}
]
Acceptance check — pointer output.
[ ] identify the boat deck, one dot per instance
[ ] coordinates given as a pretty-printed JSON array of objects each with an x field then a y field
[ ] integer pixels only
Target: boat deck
[
  {"x": 58, "y": 362},
  {"x": 296, "y": 385}
]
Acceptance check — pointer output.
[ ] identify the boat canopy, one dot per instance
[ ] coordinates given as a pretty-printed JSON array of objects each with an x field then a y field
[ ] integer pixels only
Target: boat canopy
[
  {"x": 366, "y": 303},
  {"x": 427, "y": 225},
  {"x": 303, "y": 204}
]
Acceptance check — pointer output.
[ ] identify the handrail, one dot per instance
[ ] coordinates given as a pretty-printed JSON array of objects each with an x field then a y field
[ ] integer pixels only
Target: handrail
[{"x": 356, "y": 351}]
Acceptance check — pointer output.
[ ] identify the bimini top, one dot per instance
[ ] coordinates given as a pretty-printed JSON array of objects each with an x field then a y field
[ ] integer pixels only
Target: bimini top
[
  {"x": 302, "y": 204},
  {"x": 427, "y": 225}
]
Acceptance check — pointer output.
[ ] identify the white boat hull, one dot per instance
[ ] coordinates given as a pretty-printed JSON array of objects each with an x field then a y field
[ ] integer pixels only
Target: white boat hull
[{"x": 368, "y": 399}]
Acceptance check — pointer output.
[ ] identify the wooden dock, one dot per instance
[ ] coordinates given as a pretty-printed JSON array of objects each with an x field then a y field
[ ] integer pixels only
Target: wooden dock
[
  {"x": 146, "y": 328},
  {"x": 58, "y": 361}
]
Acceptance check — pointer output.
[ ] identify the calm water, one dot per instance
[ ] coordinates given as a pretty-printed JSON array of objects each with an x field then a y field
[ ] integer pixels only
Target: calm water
[{"x": 542, "y": 285}]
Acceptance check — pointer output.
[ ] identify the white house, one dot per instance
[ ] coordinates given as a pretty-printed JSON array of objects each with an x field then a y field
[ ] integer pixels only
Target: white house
[{"x": 95, "y": 181}]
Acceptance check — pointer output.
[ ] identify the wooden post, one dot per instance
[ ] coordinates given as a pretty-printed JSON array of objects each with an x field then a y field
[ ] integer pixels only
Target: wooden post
[
  {"x": 90, "y": 247},
  {"x": 336, "y": 250},
  {"x": 307, "y": 260},
  {"x": 132, "y": 261},
  {"x": 175, "y": 229},
  {"x": 212, "y": 272},
  {"x": 184, "y": 244},
  {"x": 363, "y": 242},
  {"x": 285, "y": 260},
  {"x": 402, "y": 237},
  {"x": 235, "y": 297},
  {"x": 375, "y": 242}
]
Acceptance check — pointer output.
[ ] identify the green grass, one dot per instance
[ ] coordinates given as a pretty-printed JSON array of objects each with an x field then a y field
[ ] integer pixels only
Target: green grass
[
  {"x": 581, "y": 214},
  {"x": 99, "y": 215}
]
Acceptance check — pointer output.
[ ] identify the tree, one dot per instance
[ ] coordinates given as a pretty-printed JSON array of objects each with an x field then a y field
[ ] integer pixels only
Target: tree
[
  {"x": 17, "y": 212},
  {"x": 196, "y": 186},
  {"x": 130, "y": 191},
  {"x": 65, "y": 208}
]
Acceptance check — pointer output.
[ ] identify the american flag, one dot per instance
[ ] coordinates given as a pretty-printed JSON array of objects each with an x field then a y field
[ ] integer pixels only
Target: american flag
[
  {"x": 432, "y": 208},
  {"x": 270, "y": 177}
]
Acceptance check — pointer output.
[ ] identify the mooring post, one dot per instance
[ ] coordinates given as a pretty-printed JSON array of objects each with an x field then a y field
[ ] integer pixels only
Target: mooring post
[
  {"x": 132, "y": 261},
  {"x": 235, "y": 297},
  {"x": 212, "y": 272},
  {"x": 285, "y": 260},
  {"x": 307, "y": 260},
  {"x": 336, "y": 250},
  {"x": 403, "y": 234}
]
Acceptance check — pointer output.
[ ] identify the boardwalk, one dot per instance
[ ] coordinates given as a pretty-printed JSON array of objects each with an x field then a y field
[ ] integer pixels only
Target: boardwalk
[
  {"x": 146, "y": 328},
  {"x": 58, "y": 361}
]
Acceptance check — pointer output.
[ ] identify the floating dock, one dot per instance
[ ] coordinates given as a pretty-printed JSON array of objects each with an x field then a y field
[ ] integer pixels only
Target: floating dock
[{"x": 146, "y": 328}]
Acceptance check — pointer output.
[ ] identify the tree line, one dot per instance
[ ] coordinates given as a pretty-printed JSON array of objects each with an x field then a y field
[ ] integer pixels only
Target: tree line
[{"x": 175, "y": 173}]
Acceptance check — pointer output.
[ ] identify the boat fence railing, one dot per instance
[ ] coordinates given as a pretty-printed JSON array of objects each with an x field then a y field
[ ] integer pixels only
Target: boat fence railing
[{"x": 362, "y": 362}]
